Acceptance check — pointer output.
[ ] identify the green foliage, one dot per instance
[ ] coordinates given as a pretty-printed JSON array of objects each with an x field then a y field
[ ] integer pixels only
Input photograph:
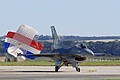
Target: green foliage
[
  {"x": 111, "y": 79},
  {"x": 28, "y": 63},
  {"x": 2, "y": 49},
  {"x": 96, "y": 47},
  {"x": 101, "y": 63},
  {"x": 46, "y": 46},
  {"x": 52, "y": 63},
  {"x": 105, "y": 47}
]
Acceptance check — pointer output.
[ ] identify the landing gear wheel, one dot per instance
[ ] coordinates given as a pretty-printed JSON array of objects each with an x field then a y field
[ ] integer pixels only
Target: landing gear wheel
[
  {"x": 77, "y": 69},
  {"x": 56, "y": 68}
]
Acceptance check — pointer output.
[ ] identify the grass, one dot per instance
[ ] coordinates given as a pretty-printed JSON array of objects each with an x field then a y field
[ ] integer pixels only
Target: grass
[
  {"x": 111, "y": 79},
  {"x": 51, "y": 63},
  {"x": 102, "y": 63},
  {"x": 28, "y": 63}
]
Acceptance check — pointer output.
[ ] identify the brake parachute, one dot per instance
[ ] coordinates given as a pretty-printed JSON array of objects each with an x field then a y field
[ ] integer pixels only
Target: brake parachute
[{"x": 22, "y": 42}]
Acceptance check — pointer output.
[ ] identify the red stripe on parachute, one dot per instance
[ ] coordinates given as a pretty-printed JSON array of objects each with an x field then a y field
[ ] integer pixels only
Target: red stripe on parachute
[{"x": 24, "y": 40}]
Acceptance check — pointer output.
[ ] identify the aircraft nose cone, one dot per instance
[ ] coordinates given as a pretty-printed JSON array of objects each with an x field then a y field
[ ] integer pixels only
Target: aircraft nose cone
[{"x": 88, "y": 51}]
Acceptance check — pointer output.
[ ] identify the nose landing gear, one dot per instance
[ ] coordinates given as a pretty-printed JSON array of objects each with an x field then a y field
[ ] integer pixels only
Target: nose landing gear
[{"x": 56, "y": 68}]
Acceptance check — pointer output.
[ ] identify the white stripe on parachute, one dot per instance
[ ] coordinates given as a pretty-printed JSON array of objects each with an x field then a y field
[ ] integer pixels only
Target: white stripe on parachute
[
  {"x": 14, "y": 50},
  {"x": 27, "y": 31}
]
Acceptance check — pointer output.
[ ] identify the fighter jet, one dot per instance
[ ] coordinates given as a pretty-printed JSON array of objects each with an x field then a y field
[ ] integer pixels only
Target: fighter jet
[{"x": 61, "y": 56}]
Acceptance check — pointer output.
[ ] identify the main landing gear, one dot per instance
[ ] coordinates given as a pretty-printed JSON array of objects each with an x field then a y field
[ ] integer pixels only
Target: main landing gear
[
  {"x": 59, "y": 64},
  {"x": 77, "y": 69},
  {"x": 56, "y": 68},
  {"x": 75, "y": 65}
]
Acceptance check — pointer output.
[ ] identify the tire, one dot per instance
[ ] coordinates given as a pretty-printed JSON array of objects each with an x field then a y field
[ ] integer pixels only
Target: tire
[
  {"x": 56, "y": 68},
  {"x": 77, "y": 69}
]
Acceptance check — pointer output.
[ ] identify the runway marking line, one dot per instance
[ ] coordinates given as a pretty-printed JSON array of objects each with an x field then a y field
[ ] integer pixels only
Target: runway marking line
[{"x": 92, "y": 70}]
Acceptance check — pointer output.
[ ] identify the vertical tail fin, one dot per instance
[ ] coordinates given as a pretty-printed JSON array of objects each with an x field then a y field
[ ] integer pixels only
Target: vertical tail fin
[{"x": 56, "y": 42}]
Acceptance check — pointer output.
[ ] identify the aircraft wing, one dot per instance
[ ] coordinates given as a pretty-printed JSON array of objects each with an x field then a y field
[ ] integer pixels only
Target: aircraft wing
[
  {"x": 41, "y": 55},
  {"x": 102, "y": 54},
  {"x": 49, "y": 55}
]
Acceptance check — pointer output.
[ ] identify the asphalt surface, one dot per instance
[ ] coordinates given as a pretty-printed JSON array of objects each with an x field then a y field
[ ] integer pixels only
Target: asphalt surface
[{"x": 65, "y": 73}]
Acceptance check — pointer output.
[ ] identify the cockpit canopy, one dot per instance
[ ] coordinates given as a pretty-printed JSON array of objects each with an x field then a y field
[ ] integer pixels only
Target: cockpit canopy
[{"x": 81, "y": 45}]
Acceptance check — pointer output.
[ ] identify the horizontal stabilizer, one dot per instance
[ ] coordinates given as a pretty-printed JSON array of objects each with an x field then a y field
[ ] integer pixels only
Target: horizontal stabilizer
[{"x": 102, "y": 54}]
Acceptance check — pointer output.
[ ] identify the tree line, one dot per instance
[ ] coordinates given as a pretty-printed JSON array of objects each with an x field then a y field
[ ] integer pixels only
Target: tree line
[
  {"x": 112, "y": 47},
  {"x": 97, "y": 47}
]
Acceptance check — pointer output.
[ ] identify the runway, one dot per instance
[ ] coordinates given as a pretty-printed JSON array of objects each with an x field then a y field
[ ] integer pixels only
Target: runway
[{"x": 66, "y": 73}]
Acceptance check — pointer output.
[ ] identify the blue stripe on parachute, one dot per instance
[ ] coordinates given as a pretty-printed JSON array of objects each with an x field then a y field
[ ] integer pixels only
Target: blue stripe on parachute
[
  {"x": 29, "y": 56},
  {"x": 6, "y": 45}
]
